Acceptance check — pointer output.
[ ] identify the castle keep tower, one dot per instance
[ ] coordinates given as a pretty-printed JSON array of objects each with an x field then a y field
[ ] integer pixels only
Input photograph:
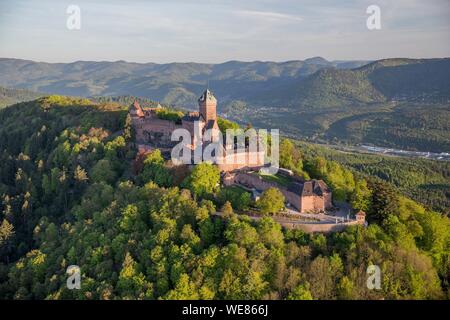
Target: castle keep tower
[{"x": 207, "y": 103}]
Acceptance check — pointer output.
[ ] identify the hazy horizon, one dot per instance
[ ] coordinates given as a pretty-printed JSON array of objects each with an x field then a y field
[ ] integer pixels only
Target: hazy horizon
[
  {"x": 220, "y": 62},
  {"x": 219, "y": 31}
]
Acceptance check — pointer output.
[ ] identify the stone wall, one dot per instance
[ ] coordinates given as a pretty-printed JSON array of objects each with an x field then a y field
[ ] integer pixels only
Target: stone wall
[
  {"x": 293, "y": 199},
  {"x": 308, "y": 204},
  {"x": 303, "y": 204},
  {"x": 248, "y": 161},
  {"x": 190, "y": 126},
  {"x": 328, "y": 200},
  {"x": 155, "y": 131},
  {"x": 319, "y": 227},
  {"x": 253, "y": 181}
]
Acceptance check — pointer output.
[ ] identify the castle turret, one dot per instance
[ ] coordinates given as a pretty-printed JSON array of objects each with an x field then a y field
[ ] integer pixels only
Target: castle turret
[
  {"x": 207, "y": 105},
  {"x": 360, "y": 217},
  {"x": 136, "y": 110}
]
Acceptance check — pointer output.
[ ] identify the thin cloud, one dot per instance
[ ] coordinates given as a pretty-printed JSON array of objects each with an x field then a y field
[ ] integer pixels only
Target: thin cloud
[
  {"x": 221, "y": 30},
  {"x": 269, "y": 15}
]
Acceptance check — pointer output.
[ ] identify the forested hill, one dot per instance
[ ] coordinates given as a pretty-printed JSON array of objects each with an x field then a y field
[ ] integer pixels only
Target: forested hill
[
  {"x": 313, "y": 82},
  {"x": 380, "y": 81},
  {"x": 12, "y": 96},
  {"x": 400, "y": 103},
  {"x": 173, "y": 83},
  {"x": 71, "y": 194}
]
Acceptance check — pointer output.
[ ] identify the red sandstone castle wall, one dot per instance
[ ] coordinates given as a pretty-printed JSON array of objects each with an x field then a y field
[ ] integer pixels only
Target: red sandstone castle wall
[
  {"x": 208, "y": 110},
  {"x": 235, "y": 162},
  {"x": 328, "y": 200},
  {"x": 316, "y": 203},
  {"x": 253, "y": 181},
  {"x": 293, "y": 199},
  {"x": 319, "y": 204},
  {"x": 307, "y": 204},
  {"x": 190, "y": 126},
  {"x": 319, "y": 227},
  {"x": 153, "y": 125},
  {"x": 311, "y": 204}
]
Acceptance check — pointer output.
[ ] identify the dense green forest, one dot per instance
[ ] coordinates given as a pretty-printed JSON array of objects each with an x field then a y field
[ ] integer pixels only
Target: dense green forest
[
  {"x": 408, "y": 126},
  {"x": 72, "y": 193},
  {"x": 127, "y": 100},
  {"x": 399, "y": 103},
  {"x": 379, "y": 81},
  {"x": 171, "y": 83},
  {"x": 416, "y": 126},
  {"x": 426, "y": 181}
]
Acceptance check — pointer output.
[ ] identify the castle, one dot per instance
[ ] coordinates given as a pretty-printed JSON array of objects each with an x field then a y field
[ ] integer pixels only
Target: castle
[{"x": 152, "y": 131}]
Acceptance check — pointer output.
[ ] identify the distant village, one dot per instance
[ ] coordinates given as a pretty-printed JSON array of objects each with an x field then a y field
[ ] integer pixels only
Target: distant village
[{"x": 303, "y": 198}]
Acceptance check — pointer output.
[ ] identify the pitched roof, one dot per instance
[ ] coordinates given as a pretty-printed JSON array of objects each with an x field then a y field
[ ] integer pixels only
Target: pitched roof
[
  {"x": 309, "y": 188},
  {"x": 296, "y": 188},
  {"x": 320, "y": 187},
  {"x": 192, "y": 116},
  {"x": 211, "y": 124},
  {"x": 207, "y": 95}
]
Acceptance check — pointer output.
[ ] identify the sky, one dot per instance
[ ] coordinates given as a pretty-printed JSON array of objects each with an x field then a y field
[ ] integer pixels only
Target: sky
[{"x": 215, "y": 31}]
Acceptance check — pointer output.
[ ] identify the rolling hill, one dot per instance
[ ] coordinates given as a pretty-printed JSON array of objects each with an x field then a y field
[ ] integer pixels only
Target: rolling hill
[
  {"x": 174, "y": 83},
  {"x": 377, "y": 82},
  {"x": 401, "y": 103},
  {"x": 69, "y": 197},
  {"x": 314, "y": 82}
]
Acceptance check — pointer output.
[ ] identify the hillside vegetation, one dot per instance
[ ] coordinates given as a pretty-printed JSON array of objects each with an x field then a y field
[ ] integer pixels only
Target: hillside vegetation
[
  {"x": 72, "y": 194},
  {"x": 12, "y": 96},
  {"x": 392, "y": 79},
  {"x": 401, "y": 103},
  {"x": 173, "y": 83},
  {"x": 426, "y": 181}
]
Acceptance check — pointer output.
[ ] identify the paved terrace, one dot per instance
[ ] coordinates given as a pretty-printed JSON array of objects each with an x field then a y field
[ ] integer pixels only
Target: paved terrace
[{"x": 311, "y": 222}]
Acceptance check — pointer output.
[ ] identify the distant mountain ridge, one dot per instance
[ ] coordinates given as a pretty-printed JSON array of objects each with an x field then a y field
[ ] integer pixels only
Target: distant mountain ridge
[
  {"x": 314, "y": 82},
  {"x": 376, "y": 82},
  {"x": 173, "y": 83},
  {"x": 402, "y": 103}
]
